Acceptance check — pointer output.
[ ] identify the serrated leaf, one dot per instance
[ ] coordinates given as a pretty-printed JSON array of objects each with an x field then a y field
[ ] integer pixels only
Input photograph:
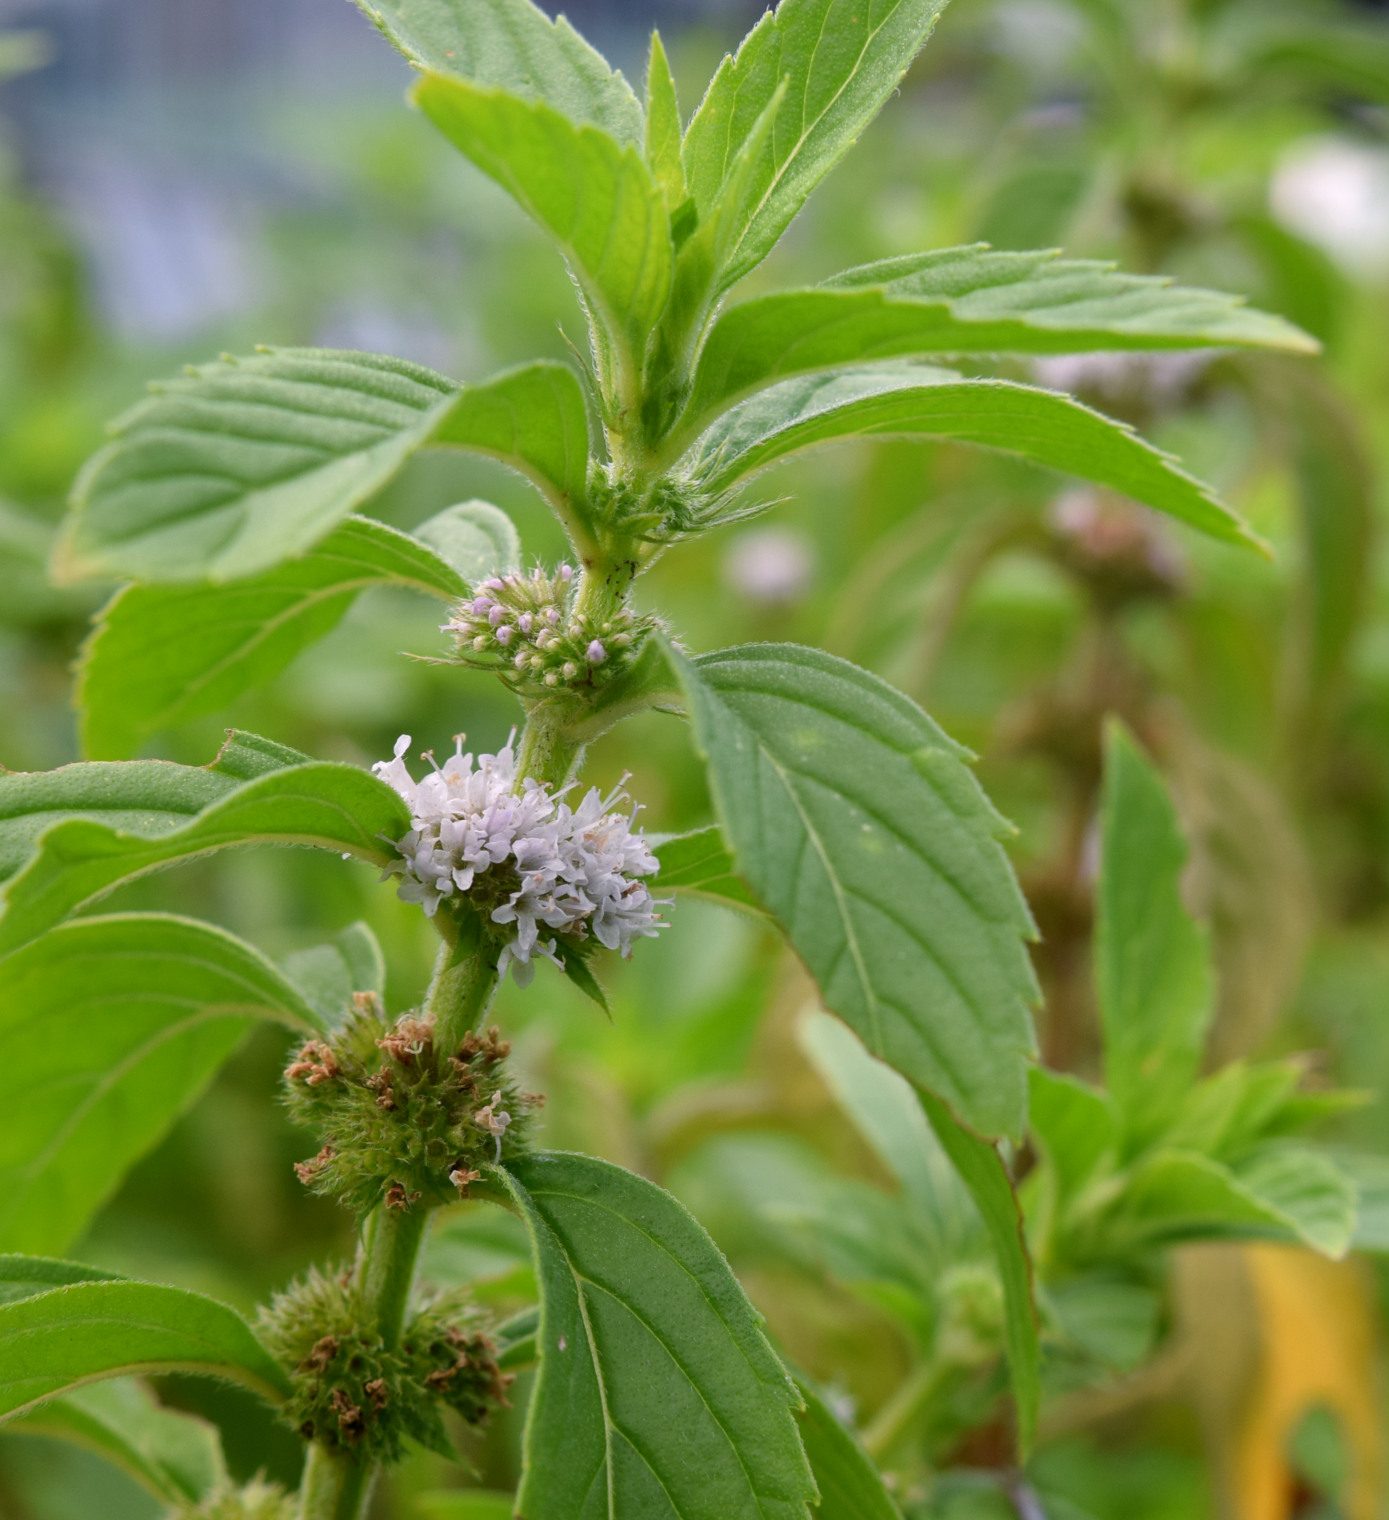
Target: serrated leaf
[
  {"x": 859, "y": 827},
  {"x": 328, "y": 975},
  {"x": 594, "y": 196},
  {"x": 662, "y": 139},
  {"x": 913, "y": 401},
  {"x": 513, "y": 45},
  {"x": 159, "y": 656},
  {"x": 176, "y": 1456},
  {"x": 473, "y": 538},
  {"x": 981, "y": 1169},
  {"x": 657, "y": 1392},
  {"x": 142, "y": 815},
  {"x": 578, "y": 970},
  {"x": 1153, "y": 974},
  {"x": 840, "y": 60},
  {"x": 1281, "y": 1192},
  {"x": 62, "y": 1339},
  {"x": 966, "y": 301},
  {"x": 1369, "y": 1175},
  {"x": 242, "y": 463},
  {"x": 701, "y": 864},
  {"x": 534, "y": 419},
  {"x": 1107, "y": 1318},
  {"x": 111, "y": 1028},
  {"x": 851, "y": 1488}
]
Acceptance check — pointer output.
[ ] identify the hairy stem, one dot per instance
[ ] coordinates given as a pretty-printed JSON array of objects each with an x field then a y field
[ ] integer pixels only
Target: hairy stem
[
  {"x": 465, "y": 977},
  {"x": 334, "y": 1486}
]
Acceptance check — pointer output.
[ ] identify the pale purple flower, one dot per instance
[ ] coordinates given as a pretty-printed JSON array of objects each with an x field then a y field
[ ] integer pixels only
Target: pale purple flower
[{"x": 579, "y": 869}]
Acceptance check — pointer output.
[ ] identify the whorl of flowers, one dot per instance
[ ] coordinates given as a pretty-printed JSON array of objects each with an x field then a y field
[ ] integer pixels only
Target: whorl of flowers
[
  {"x": 526, "y": 629},
  {"x": 546, "y": 875},
  {"x": 354, "y": 1393}
]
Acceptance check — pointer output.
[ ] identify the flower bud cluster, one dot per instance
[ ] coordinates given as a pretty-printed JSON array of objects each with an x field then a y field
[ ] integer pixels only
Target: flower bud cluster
[
  {"x": 352, "y": 1392},
  {"x": 526, "y": 860},
  {"x": 401, "y": 1118},
  {"x": 526, "y": 628}
]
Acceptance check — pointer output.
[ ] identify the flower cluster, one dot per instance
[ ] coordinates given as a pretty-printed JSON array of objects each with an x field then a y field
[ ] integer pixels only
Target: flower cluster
[
  {"x": 526, "y": 628},
  {"x": 258, "y": 1500},
  {"x": 352, "y": 1392},
  {"x": 528, "y": 861},
  {"x": 401, "y": 1117}
]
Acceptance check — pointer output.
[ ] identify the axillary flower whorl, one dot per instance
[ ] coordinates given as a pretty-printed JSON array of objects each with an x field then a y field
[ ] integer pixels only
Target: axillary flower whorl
[
  {"x": 541, "y": 873},
  {"x": 526, "y": 628}
]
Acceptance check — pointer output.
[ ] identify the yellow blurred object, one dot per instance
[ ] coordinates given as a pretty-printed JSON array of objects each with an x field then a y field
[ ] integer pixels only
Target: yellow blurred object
[{"x": 1275, "y": 1332}]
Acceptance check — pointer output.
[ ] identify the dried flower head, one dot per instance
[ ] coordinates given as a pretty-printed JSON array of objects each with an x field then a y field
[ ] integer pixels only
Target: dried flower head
[
  {"x": 404, "y": 1120},
  {"x": 528, "y": 861},
  {"x": 354, "y": 1393},
  {"x": 527, "y": 629}
]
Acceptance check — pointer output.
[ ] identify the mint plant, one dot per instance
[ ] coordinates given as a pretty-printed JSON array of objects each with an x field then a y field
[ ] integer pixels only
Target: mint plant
[{"x": 228, "y": 500}]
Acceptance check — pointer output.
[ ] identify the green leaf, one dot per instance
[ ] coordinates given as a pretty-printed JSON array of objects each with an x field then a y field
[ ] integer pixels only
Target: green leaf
[
  {"x": 851, "y": 1488},
  {"x": 1282, "y": 1192},
  {"x": 328, "y": 975},
  {"x": 967, "y": 301},
  {"x": 534, "y": 419},
  {"x": 62, "y": 1339},
  {"x": 701, "y": 864},
  {"x": 244, "y": 462},
  {"x": 595, "y": 197},
  {"x": 1074, "y": 1126},
  {"x": 473, "y": 538},
  {"x": 1111, "y": 1320},
  {"x": 513, "y": 45},
  {"x": 142, "y": 815},
  {"x": 111, "y": 1027},
  {"x": 159, "y": 656},
  {"x": 859, "y": 827},
  {"x": 982, "y": 1170},
  {"x": 578, "y": 970},
  {"x": 22, "y": 1276},
  {"x": 176, "y": 1456},
  {"x": 1152, "y": 962},
  {"x": 474, "y": 1242},
  {"x": 240, "y": 464},
  {"x": 1369, "y": 1175},
  {"x": 466, "y": 1504},
  {"x": 913, "y": 401},
  {"x": 840, "y": 61},
  {"x": 663, "y": 132},
  {"x": 885, "y": 1109},
  {"x": 657, "y": 1392}
]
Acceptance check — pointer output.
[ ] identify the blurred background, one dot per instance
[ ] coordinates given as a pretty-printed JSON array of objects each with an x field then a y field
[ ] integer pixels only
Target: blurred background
[{"x": 182, "y": 177}]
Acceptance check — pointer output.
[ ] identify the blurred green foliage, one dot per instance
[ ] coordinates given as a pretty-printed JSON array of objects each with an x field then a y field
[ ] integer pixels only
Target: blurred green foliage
[{"x": 1166, "y": 133}]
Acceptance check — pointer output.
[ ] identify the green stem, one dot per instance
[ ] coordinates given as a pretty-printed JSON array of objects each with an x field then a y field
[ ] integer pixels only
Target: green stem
[
  {"x": 334, "y": 1486},
  {"x": 465, "y": 977},
  {"x": 896, "y": 1417}
]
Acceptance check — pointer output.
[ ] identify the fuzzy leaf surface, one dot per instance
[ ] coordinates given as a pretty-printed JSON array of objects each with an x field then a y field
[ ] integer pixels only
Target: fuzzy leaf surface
[
  {"x": 594, "y": 196},
  {"x": 111, "y": 1028},
  {"x": 23, "y": 1276},
  {"x": 658, "y": 1394},
  {"x": 60, "y": 1340},
  {"x": 840, "y": 60},
  {"x": 69, "y": 836},
  {"x": 176, "y": 1456},
  {"x": 244, "y": 462},
  {"x": 851, "y": 1488},
  {"x": 859, "y": 827},
  {"x": 913, "y": 401},
  {"x": 968, "y": 301},
  {"x": 474, "y": 539},
  {"x": 239, "y": 464},
  {"x": 981, "y": 1169},
  {"x": 163, "y": 655},
  {"x": 1153, "y": 974},
  {"x": 532, "y": 418},
  {"x": 513, "y": 45}
]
